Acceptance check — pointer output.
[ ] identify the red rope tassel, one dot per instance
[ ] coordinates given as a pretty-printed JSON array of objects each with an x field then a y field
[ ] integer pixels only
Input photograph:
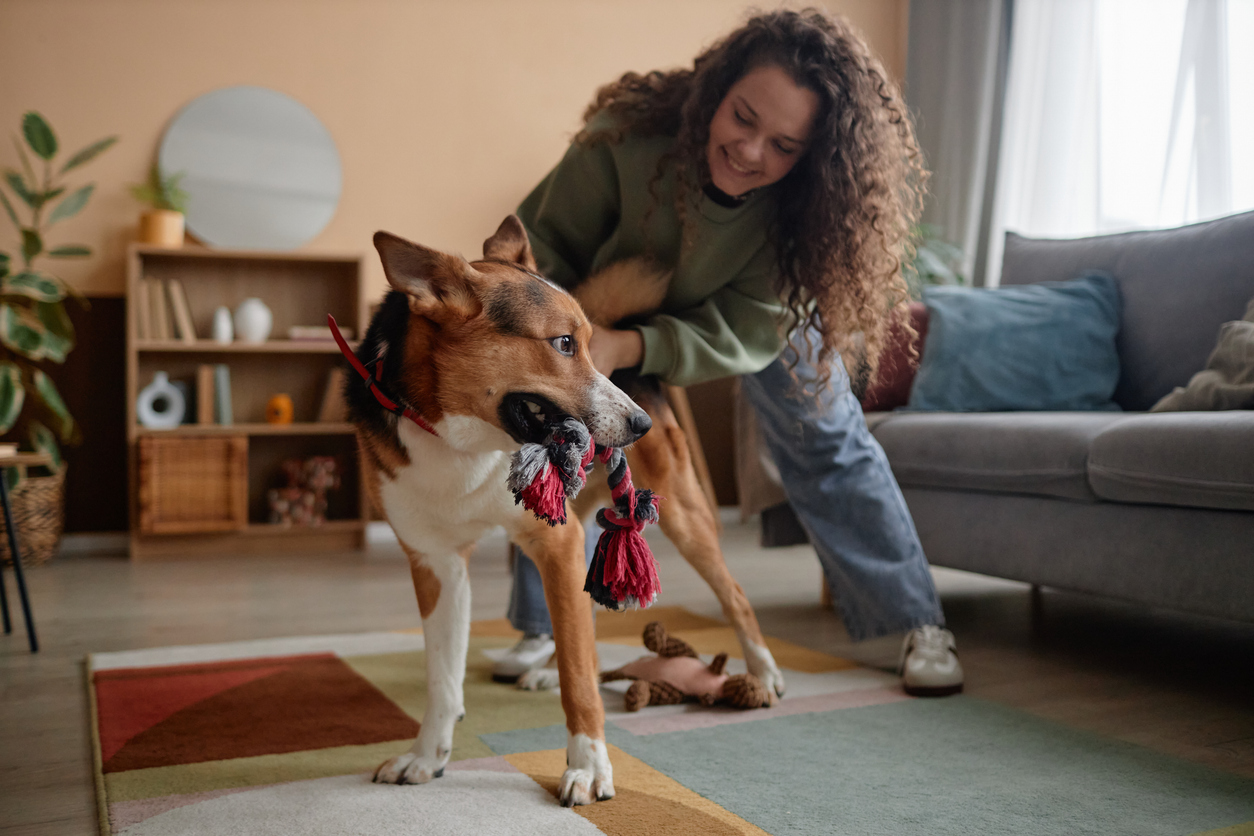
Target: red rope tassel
[
  {"x": 623, "y": 574},
  {"x": 546, "y": 496},
  {"x": 544, "y": 476}
]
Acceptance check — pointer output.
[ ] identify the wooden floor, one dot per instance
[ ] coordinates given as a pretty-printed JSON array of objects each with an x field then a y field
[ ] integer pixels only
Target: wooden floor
[{"x": 1173, "y": 683}]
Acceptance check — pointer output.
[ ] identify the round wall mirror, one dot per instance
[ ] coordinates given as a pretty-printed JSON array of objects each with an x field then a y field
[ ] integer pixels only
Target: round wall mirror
[{"x": 260, "y": 170}]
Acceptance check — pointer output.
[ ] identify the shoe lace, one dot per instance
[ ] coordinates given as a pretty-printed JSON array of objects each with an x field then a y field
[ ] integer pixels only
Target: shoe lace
[{"x": 931, "y": 642}]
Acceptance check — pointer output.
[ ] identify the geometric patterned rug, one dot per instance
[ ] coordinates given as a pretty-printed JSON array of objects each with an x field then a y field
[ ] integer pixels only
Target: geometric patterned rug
[{"x": 280, "y": 736}]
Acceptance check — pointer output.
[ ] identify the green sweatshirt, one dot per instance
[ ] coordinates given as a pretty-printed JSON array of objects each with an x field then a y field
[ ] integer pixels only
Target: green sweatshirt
[{"x": 722, "y": 315}]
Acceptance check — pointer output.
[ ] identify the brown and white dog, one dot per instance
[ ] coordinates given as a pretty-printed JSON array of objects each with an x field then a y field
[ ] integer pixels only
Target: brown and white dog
[{"x": 490, "y": 354}]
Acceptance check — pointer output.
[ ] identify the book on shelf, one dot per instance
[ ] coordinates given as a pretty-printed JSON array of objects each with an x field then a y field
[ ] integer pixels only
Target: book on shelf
[
  {"x": 160, "y": 313},
  {"x": 182, "y": 313},
  {"x": 205, "y": 402},
  {"x": 333, "y": 410},
  {"x": 316, "y": 333},
  {"x": 143, "y": 312},
  {"x": 222, "y": 394}
]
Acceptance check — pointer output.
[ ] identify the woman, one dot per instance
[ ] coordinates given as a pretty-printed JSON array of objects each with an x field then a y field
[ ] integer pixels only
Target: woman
[{"x": 779, "y": 178}]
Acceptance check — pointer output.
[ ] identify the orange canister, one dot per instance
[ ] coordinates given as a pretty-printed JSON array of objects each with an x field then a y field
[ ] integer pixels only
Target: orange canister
[{"x": 279, "y": 410}]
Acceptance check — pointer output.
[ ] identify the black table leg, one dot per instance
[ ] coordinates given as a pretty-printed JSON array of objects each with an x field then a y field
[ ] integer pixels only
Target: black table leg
[
  {"x": 4, "y": 593},
  {"x": 17, "y": 566}
]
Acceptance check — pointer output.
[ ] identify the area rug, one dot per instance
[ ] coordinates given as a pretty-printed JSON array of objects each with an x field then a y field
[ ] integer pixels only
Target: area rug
[{"x": 280, "y": 736}]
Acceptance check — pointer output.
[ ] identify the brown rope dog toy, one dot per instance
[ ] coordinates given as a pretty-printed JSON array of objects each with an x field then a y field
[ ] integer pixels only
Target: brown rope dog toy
[{"x": 677, "y": 674}]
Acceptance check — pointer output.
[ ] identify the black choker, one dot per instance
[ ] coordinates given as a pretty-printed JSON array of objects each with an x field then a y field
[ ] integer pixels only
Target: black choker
[{"x": 722, "y": 198}]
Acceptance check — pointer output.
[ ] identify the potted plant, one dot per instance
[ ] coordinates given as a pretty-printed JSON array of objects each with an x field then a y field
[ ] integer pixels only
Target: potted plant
[
  {"x": 163, "y": 224},
  {"x": 35, "y": 328},
  {"x": 935, "y": 261}
]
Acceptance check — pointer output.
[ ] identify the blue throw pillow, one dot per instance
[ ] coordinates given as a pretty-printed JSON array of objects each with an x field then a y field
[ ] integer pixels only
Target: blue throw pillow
[{"x": 1047, "y": 346}]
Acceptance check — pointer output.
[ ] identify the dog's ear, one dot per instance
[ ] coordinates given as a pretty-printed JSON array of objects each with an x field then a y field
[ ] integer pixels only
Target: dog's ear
[
  {"x": 509, "y": 243},
  {"x": 440, "y": 286}
]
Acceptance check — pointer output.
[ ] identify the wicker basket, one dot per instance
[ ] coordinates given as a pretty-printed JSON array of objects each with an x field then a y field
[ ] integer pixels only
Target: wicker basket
[
  {"x": 38, "y": 505},
  {"x": 193, "y": 485}
]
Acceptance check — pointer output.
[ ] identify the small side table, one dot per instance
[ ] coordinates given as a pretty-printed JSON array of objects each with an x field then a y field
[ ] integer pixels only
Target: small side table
[{"x": 22, "y": 460}]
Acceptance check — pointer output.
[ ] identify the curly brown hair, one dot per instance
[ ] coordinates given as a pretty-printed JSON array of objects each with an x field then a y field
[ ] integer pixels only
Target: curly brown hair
[{"x": 846, "y": 209}]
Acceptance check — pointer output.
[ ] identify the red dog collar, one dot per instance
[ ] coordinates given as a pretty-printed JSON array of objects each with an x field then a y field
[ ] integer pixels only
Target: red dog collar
[{"x": 373, "y": 382}]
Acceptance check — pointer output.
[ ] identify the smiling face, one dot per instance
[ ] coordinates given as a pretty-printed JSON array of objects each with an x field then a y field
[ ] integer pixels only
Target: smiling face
[{"x": 760, "y": 130}]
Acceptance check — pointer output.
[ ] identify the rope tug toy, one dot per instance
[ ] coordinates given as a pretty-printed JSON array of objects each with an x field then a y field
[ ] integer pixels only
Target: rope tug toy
[{"x": 623, "y": 574}]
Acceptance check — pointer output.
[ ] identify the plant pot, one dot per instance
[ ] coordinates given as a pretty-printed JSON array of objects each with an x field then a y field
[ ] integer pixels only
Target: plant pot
[
  {"x": 161, "y": 227},
  {"x": 38, "y": 505}
]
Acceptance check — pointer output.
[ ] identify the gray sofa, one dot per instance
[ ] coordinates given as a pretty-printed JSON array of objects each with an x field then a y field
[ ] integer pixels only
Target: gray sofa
[{"x": 1156, "y": 508}]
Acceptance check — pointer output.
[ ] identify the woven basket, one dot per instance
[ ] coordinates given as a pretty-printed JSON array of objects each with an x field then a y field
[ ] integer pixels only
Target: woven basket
[{"x": 38, "y": 506}]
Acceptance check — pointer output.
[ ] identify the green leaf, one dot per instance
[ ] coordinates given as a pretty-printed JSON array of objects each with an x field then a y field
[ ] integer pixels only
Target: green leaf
[
  {"x": 25, "y": 158},
  {"x": 43, "y": 441},
  {"x": 4, "y": 264},
  {"x": 54, "y": 317},
  {"x": 47, "y": 197},
  {"x": 39, "y": 136},
  {"x": 12, "y": 478},
  {"x": 20, "y": 331},
  {"x": 8, "y": 207},
  {"x": 72, "y": 204},
  {"x": 47, "y": 392},
  {"x": 34, "y": 286},
  {"x": 18, "y": 185},
  {"x": 89, "y": 153},
  {"x": 12, "y": 395},
  {"x": 32, "y": 244},
  {"x": 58, "y": 330},
  {"x": 70, "y": 251}
]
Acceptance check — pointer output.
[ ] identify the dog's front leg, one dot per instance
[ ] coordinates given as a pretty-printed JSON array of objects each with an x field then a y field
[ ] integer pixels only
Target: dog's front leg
[
  {"x": 558, "y": 553},
  {"x": 662, "y": 463},
  {"x": 442, "y": 585}
]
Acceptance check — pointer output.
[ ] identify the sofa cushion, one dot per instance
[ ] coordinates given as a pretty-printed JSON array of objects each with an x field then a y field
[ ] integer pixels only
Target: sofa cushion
[
  {"x": 1200, "y": 459},
  {"x": 1050, "y": 346},
  {"x": 1038, "y": 453},
  {"x": 1178, "y": 287},
  {"x": 896, "y": 372}
]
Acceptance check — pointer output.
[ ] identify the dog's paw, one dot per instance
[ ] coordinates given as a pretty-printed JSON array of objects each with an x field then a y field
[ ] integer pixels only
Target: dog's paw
[
  {"x": 539, "y": 679},
  {"x": 588, "y": 776},
  {"x": 774, "y": 682},
  {"x": 582, "y": 786},
  {"x": 761, "y": 663},
  {"x": 410, "y": 769}
]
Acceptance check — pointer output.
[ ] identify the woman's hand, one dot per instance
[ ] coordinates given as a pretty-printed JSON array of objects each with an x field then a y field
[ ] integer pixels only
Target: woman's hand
[{"x": 612, "y": 349}]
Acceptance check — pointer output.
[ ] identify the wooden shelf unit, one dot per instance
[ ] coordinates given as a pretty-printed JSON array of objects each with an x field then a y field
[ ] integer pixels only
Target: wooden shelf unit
[
  {"x": 268, "y": 347},
  {"x": 299, "y": 289}
]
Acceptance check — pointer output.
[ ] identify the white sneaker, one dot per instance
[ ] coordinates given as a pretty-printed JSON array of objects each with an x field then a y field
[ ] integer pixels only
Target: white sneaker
[
  {"x": 532, "y": 651},
  {"x": 929, "y": 663}
]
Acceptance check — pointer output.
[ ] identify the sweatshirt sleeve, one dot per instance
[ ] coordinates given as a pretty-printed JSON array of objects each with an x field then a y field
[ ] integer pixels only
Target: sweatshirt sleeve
[
  {"x": 739, "y": 329},
  {"x": 572, "y": 212}
]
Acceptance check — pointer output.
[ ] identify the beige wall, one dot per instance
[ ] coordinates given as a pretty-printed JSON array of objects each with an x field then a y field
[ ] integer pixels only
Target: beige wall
[{"x": 445, "y": 112}]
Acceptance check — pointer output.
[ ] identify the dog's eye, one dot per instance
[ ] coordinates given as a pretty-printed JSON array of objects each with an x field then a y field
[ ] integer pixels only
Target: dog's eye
[{"x": 564, "y": 345}]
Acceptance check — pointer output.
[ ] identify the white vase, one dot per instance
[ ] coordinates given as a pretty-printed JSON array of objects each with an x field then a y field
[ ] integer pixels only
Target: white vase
[
  {"x": 161, "y": 405},
  {"x": 223, "y": 330},
  {"x": 253, "y": 321}
]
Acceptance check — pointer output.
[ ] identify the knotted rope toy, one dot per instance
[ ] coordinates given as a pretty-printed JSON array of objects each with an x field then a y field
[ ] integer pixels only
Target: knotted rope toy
[{"x": 623, "y": 574}]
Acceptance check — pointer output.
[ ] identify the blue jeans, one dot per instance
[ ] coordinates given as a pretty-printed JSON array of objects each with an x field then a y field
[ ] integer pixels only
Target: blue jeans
[{"x": 838, "y": 481}]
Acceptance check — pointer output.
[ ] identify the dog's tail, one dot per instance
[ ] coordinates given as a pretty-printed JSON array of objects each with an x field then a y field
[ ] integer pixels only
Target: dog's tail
[{"x": 624, "y": 289}]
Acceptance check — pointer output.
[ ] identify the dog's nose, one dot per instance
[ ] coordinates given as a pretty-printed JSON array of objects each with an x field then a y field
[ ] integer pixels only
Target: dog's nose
[{"x": 639, "y": 422}]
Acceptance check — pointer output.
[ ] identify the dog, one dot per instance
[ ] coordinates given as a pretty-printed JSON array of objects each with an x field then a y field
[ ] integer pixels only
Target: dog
[{"x": 467, "y": 361}]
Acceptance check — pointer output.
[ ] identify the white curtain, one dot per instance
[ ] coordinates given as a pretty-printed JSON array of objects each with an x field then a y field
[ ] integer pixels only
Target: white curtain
[
  {"x": 1122, "y": 114},
  {"x": 952, "y": 85}
]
